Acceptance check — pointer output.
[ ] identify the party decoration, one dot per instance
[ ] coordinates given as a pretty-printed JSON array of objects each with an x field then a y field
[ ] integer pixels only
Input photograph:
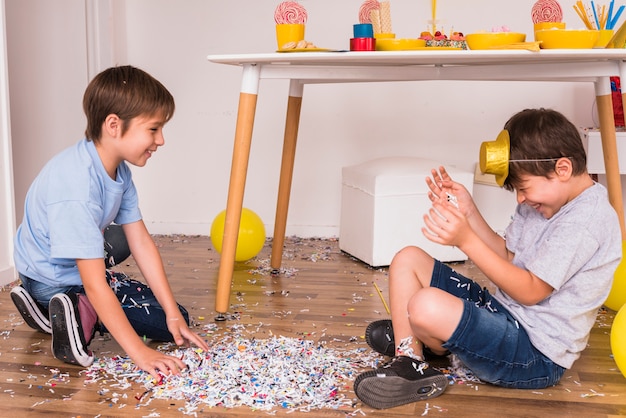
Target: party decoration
[
  {"x": 365, "y": 11},
  {"x": 494, "y": 157},
  {"x": 290, "y": 12},
  {"x": 378, "y": 13},
  {"x": 617, "y": 296},
  {"x": 251, "y": 236},
  {"x": 547, "y": 11},
  {"x": 618, "y": 339}
]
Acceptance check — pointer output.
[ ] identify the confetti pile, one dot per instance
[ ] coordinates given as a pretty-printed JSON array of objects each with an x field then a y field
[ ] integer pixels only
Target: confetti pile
[{"x": 262, "y": 374}]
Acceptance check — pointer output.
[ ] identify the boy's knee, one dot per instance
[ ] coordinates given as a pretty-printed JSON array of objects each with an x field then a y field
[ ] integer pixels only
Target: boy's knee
[
  {"x": 410, "y": 257},
  {"x": 407, "y": 254},
  {"x": 412, "y": 262},
  {"x": 425, "y": 306}
]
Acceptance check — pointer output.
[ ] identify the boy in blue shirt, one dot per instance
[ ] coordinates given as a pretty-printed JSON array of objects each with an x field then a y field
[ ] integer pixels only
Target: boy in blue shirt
[
  {"x": 552, "y": 272},
  {"x": 60, "y": 248}
]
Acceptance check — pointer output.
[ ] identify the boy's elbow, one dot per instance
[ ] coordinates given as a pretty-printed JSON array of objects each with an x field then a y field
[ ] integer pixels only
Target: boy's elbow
[{"x": 539, "y": 294}]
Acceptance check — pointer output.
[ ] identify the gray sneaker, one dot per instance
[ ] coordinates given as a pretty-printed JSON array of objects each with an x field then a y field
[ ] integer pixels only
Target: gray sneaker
[
  {"x": 33, "y": 313},
  {"x": 403, "y": 380},
  {"x": 68, "y": 341}
]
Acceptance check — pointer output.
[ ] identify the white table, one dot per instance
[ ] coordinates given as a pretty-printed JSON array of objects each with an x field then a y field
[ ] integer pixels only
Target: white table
[{"x": 591, "y": 65}]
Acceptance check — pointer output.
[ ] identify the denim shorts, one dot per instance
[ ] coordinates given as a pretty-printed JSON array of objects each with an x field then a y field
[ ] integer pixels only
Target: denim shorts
[
  {"x": 141, "y": 307},
  {"x": 489, "y": 341}
]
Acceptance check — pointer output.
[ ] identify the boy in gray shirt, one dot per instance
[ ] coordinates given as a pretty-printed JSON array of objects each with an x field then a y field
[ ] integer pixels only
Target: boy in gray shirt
[{"x": 552, "y": 272}]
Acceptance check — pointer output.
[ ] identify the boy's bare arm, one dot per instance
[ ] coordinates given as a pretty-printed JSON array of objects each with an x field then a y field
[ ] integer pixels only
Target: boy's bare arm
[
  {"x": 149, "y": 261},
  {"x": 452, "y": 228},
  {"x": 112, "y": 316},
  {"x": 150, "y": 264},
  {"x": 520, "y": 284}
]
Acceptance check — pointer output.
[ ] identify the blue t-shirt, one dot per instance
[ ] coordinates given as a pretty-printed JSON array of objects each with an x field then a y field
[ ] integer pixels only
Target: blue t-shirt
[{"x": 68, "y": 205}]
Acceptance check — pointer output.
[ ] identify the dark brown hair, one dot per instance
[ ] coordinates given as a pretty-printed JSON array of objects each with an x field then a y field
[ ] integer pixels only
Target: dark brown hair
[
  {"x": 542, "y": 134},
  {"x": 127, "y": 92}
]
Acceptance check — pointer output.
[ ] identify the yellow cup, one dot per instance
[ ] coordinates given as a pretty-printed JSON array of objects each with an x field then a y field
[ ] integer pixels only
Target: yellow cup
[
  {"x": 604, "y": 38},
  {"x": 289, "y": 32},
  {"x": 384, "y": 35}
]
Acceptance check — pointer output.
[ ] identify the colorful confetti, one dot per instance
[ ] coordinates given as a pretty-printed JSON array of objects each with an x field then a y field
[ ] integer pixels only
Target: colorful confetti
[{"x": 261, "y": 374}]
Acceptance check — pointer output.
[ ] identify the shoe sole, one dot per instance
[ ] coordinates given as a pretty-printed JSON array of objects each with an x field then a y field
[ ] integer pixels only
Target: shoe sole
[
  {"x": 382, "y": 392},
  {"x": 66, "y": 343},
  {"x": 370, "y": 342},
  {"x": 30, "y": 311}
]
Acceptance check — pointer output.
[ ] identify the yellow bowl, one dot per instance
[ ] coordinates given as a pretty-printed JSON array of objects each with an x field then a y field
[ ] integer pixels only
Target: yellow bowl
[
  {"x": 487, "y": 40},
  {"x": 548, "y": 25},
  {"x": 567, "y": 38},
  {"x": 405, "y": 44}
]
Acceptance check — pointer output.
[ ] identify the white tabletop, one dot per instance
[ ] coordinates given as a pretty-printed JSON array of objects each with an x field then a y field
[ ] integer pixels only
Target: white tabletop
[
  {"x": 423, "y": 57},
  {"x": 346, "y": 66}
]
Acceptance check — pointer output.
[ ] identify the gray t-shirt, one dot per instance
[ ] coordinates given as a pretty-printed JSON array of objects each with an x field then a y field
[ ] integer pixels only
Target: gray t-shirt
[{"x": 576, "y": 252}]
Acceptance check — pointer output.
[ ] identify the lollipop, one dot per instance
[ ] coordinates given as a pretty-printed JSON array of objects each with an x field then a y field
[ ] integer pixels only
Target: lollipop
[
  {"x": 290, "y": 12},
  {"x": 365, "y": 10},
  {"x": 547, "y": 11}
]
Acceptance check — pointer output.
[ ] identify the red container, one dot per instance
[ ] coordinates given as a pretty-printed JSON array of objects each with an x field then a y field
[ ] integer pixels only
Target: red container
[{"x": 362, "y": 44}]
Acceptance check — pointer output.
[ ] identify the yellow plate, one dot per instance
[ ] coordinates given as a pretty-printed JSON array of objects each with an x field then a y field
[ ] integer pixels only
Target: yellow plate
[
  {"x": 304, "y": 50},
  {"x": 407, "y": 44},
  {"x": 487, "y": 40},
  {"x": 428, "y": 48}
]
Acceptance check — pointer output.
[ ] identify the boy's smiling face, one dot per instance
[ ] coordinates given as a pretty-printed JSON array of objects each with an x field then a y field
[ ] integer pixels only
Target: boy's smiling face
[
  {"x": 143, "y": 136},
  {"x": 543, "y": 194},
  {"x": 548, "y": 194}
]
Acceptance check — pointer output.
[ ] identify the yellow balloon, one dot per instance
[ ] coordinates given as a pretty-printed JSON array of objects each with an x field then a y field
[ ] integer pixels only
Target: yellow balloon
[
  {"x": 617, "y": 295},
  {"x": 618, "y": 339},
  {"x": 251, "y": 236}
]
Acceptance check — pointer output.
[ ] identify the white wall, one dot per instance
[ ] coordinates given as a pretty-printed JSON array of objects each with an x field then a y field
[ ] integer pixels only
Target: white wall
[
  {"x": 185, "y": 184},
  {"x": 47, "y": 76}
]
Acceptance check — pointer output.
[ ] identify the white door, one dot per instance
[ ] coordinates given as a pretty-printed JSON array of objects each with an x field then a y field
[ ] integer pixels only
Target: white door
[{"x": 7, "y": 206}]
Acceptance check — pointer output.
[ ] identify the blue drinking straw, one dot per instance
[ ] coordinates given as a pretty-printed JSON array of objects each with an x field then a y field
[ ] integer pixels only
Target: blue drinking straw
[
  {"x": 617, "y": 16},
  {"x": 595, "y": 15}
]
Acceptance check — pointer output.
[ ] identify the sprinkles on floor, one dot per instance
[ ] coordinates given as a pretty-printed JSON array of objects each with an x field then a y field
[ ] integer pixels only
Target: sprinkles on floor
[{"x": 262, "y": 374}]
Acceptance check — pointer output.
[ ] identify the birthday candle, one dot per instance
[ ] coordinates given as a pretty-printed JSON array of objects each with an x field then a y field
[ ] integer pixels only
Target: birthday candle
[{"x": 433, "y": 10}]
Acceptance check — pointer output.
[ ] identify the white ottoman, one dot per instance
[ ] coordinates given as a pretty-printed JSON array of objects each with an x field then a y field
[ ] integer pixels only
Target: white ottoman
[{"x": 382, "y": 206}]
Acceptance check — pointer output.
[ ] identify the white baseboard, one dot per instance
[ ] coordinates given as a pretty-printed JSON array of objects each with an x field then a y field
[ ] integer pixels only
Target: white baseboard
[
  {"x": 303, "y": 231},
  {"x": 7, "y": 275}
]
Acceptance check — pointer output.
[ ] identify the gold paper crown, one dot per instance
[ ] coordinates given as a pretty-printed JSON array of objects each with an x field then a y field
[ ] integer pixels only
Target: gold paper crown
[{"x": 494, "y": 157}]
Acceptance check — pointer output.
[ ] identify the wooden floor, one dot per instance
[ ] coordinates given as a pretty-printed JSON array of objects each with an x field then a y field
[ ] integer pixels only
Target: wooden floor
[{"x": 320, "y": 288}]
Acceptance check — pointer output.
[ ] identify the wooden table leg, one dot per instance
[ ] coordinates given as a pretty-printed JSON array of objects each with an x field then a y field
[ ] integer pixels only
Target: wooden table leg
[
  {"x": 609, "y": 148},
  {"x": 617, "y": 294},
  {"x": 292, "y": 122},
  {"x": 238, "y": 173}
]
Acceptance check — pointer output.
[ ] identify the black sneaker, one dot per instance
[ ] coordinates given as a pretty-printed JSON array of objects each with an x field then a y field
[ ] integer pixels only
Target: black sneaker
[
  {"x": 32, "y": 312},
  {"x": 379, "y": 336},
  {"x": 403, "y": 380},
  {"x": 68, "y": 341}
]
